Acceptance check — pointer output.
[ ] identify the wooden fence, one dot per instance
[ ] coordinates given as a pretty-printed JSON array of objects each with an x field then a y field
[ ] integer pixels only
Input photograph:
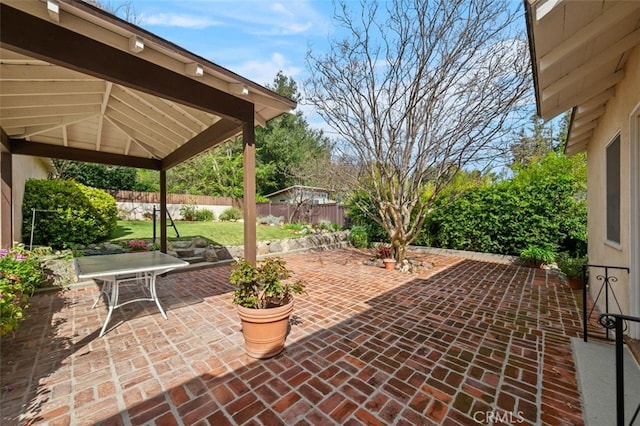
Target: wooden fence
[
  {"x": 307, "y": 213},
  {"x": 154, "y": 198}
]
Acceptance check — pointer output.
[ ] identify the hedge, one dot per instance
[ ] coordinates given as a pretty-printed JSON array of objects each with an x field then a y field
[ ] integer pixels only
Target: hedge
[{"x": 71, "y": 213}]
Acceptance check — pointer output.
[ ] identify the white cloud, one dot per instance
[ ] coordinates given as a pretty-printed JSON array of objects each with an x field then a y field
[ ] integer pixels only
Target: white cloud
[
  {"x": 182, "y": 21},
  {"x": 264, "y": 71}
]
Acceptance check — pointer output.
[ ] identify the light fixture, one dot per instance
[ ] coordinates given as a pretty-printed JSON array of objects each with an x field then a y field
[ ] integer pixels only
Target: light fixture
[
  {"x": 53, "y": 9},
  {"x": 245, "y": 90},
  {"x": 194, "y": 69},
  {"x": 136, "y": 44}
]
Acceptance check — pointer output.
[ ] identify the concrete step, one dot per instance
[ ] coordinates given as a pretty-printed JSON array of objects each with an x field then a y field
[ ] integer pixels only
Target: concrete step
[
  {"x": 185, "y": 252},
  {"x": 193, "y": 259},
  {"x": 596, "y": 372}
]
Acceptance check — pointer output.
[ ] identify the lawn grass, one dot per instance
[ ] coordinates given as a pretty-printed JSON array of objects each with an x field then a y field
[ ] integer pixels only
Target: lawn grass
[{"x": 222, "y": 233}]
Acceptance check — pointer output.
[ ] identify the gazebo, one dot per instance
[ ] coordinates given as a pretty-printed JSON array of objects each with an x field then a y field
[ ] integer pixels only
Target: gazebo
[{"x": 78, "y": 83}]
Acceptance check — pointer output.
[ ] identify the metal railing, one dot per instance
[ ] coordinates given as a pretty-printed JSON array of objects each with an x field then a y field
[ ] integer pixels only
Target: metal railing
[
  {"x": 605, "y": 288},
  {"x": 615, "y": 322}
]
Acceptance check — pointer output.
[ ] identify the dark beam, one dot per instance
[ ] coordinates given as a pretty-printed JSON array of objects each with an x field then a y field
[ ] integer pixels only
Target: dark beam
[
  {"x": 50, "y": 42},
  {"x": 22, "y": 147},
  {"x": 214, "y": 135},
  {"x": 6, "y": 200},
  {"x": 4, "y": 140}
]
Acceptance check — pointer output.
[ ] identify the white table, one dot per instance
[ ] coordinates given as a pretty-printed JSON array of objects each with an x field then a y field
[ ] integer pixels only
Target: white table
[{"x": 114, "y": 269}]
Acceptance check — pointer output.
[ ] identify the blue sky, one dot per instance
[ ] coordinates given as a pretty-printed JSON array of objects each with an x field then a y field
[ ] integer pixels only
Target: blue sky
[{"x": 252, "y": 38}]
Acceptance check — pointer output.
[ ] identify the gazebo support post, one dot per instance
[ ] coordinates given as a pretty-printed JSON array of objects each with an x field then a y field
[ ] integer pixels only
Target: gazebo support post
[
  {"x": 249, "y": 187},
  {"x": 163, "y": 211}
]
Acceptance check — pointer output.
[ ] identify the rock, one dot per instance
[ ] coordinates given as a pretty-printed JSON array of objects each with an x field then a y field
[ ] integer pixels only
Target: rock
[
  {"x": 182, "y": 244},
  {"x": 200, "y": 242},
  {"x": 210, "y": 255},
  {"x": 275, "y": 247},
  {"x": 262, "y": 248}
]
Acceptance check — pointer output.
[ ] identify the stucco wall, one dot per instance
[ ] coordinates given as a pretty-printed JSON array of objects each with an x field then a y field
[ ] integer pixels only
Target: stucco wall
[
  {"x": 24, "y": 167},
  {"x": 615, "y": 121}
]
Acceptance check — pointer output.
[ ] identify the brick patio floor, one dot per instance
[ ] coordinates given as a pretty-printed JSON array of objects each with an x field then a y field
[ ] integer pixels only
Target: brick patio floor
[{"x": 367, "y": 346}]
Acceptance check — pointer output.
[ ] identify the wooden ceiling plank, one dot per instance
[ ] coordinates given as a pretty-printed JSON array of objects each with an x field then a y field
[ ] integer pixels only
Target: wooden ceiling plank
[
  {"x": 595, "y": 89},
  {"x": 65, "y": 136},
  {"x": 51, "y": 100},
  {"x": 65, "y": 121},
  {"x": 49, "y": 111},
  {"x": 51, "y": 42},
  {"x": 152, "y": 115},
  {"x": 187, "y": 123},
  {"x": 214, "y": 135},
  {"x": 156, "y": 150},
  {"x": 24, "y": 88},
  {"x": 589, "y": 32},
  {"x": 143, "y": 130},
  {"x": 596, "y": 101},
  {"x": 49, "y": 122},
  {"x": 574, "y": 148},
  {"x": 581, "y": 119},
  {"x": 583, "y": 129},
  {"x": 202, "y": 119},
  {"x": 592, "y": 66},
  {"x": 178, "y": 117},
  {"x": 103, "y": 107},
  {"x": 23, "y": 147},
  {"x": 126, "y": 132}
]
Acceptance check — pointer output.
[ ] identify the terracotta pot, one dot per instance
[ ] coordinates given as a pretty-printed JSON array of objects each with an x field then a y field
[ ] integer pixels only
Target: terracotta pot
[
  {"x": 575, "y": 283},
  {"x": 389, "y": 264},
  {"x": 265, "y": 330}
]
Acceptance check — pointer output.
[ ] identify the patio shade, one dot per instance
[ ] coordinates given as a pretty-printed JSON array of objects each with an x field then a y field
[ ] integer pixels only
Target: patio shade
[
  {"x": 112, "y": 92},
  {"x": 78, "y": 83},
  {"x": 580, "y": 65}
]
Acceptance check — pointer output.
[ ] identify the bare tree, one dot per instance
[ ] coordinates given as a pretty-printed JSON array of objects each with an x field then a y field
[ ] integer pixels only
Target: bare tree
[
  {"x": 418, "y": 90},
  {"x": 123, "y": 9}
]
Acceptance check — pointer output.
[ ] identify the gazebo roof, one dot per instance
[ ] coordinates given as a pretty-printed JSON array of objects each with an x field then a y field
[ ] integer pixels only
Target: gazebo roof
[
  {"x": 79, "y": 83},
  {"x": 579, "y": 50}
]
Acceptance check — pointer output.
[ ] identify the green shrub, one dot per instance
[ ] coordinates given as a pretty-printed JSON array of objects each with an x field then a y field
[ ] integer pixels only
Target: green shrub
[
  {"x": 359, "y": 204},
  {"x": 73, "y": 213},
  {"x": 204, "y": 215},
  {"x": 571, "y": 266},
  {"x": 231, "y": 213},
  {"x": 327, "y": 225},
  {"x": 20, "y": 275},
  {"x": 359, "y": 237},
  {"x": 296, "y": 227},
  {"x": 188, "y": 212},
  {"x": 541, "y": 206},
  {"x": 536, "y": 256}
]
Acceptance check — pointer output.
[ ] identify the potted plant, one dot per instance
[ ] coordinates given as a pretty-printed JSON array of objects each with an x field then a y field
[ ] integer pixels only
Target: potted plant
[
  {"x": 264, "y": 302},
  {"x": 384, "y": 252},
  {"x": 572, "y": 268}
]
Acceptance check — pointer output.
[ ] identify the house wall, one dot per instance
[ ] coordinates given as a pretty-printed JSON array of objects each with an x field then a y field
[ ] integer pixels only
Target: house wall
[
  {"x": 615, "y": 121},
  {"x": 24, "y": 167}
]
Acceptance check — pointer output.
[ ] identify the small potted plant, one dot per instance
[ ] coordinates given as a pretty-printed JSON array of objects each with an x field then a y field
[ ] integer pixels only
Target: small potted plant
[
  {"x": 264, "y": 302},
  {"x": 384, "y": 252},
  {"x": 572, "y": 268}
]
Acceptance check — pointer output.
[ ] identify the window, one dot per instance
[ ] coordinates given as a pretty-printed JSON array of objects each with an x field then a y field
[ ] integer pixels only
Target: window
[{"x": 613, "y": 190}]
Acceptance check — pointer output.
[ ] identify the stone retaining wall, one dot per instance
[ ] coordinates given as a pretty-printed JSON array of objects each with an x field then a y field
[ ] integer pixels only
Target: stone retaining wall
[{"x": 199, "y": 247}]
